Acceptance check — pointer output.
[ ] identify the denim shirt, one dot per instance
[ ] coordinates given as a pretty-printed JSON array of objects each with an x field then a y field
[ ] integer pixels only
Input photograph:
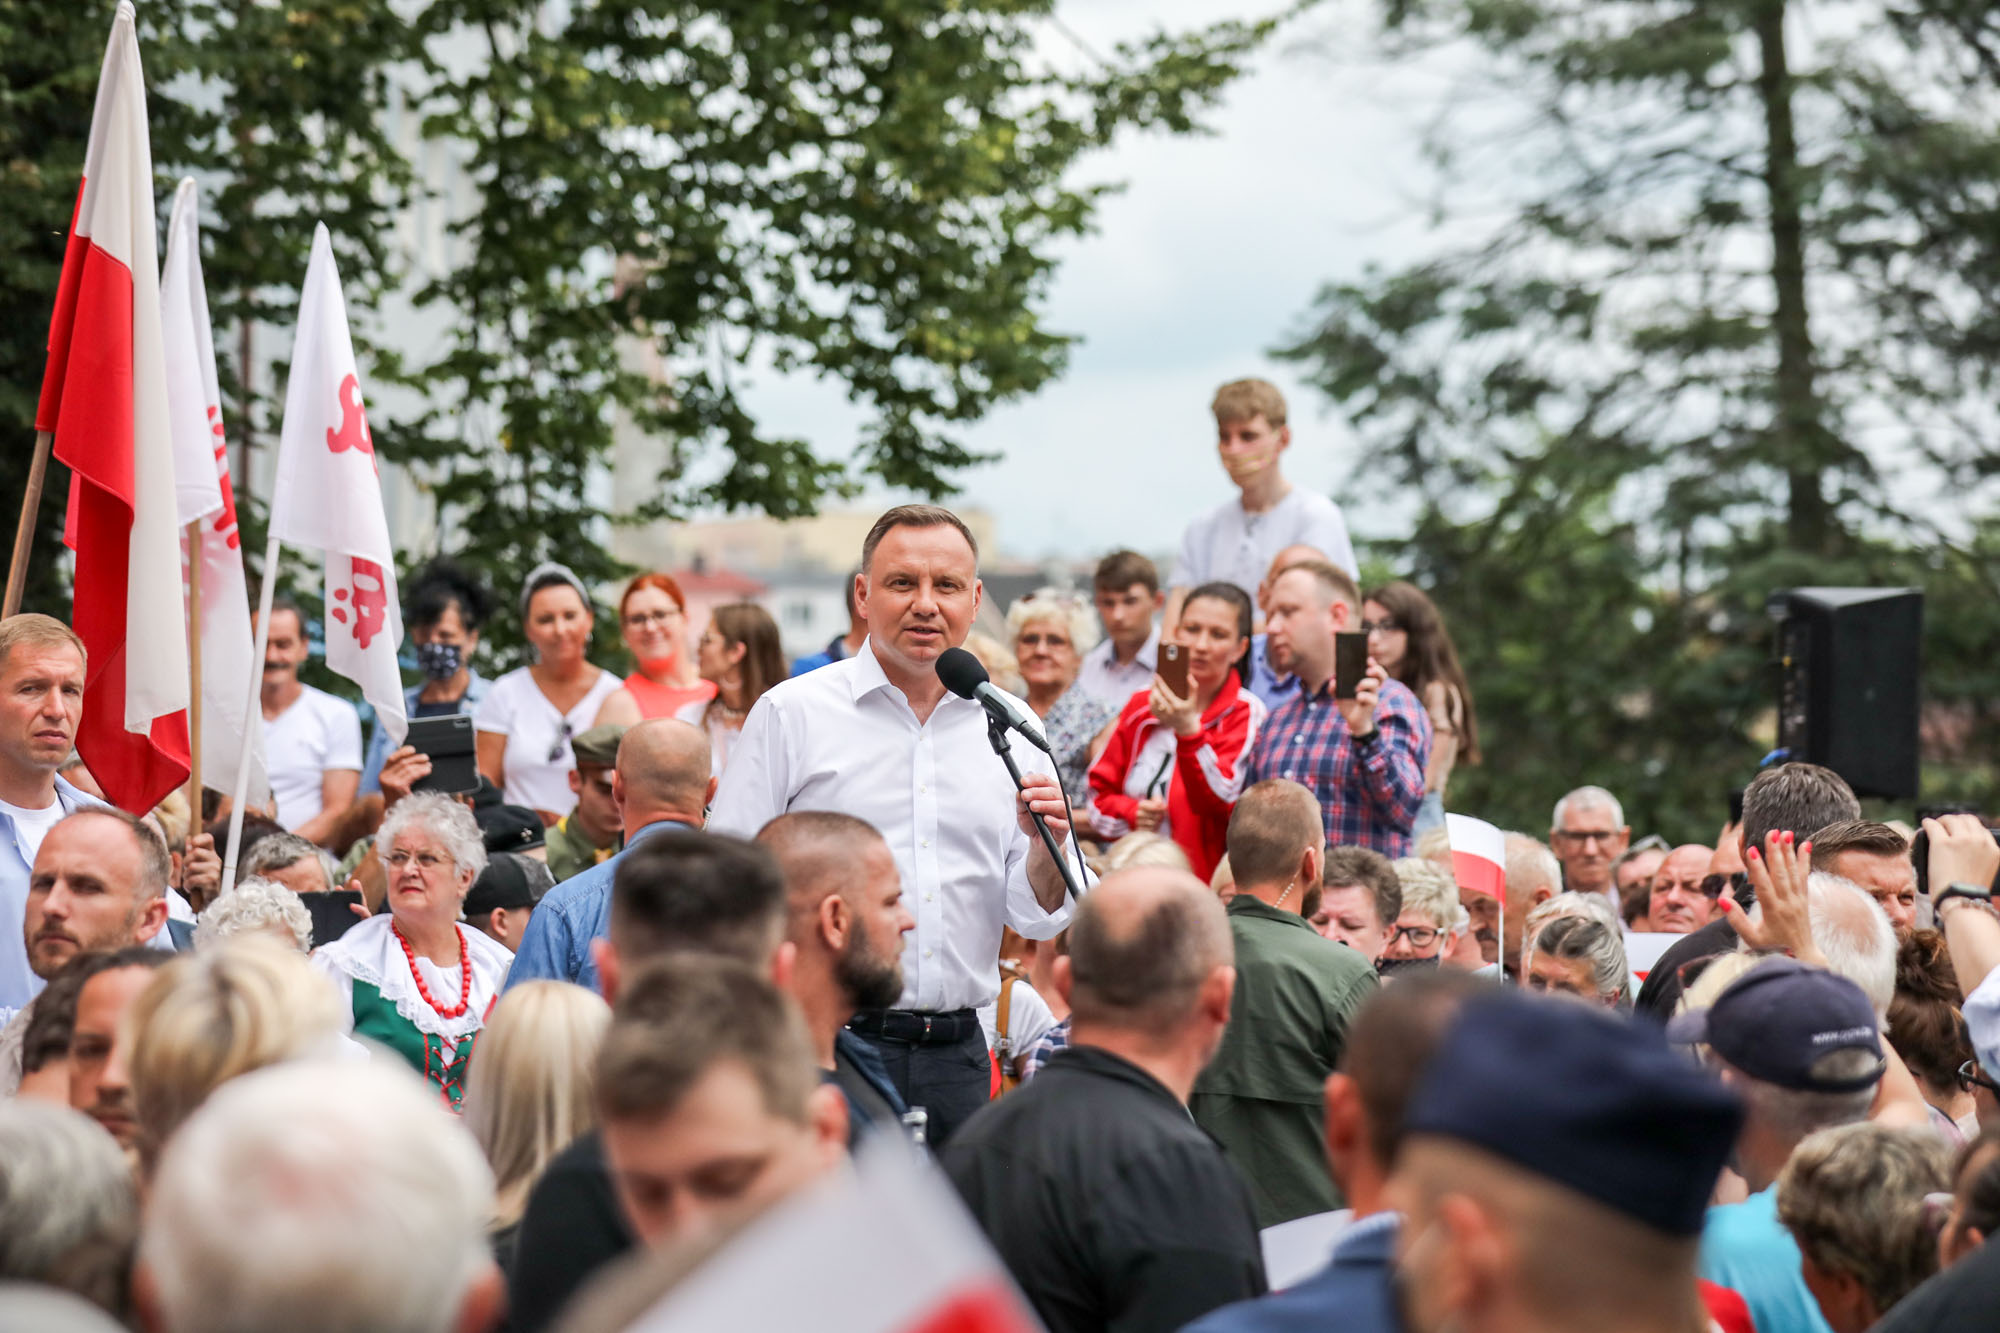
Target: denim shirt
[
  {"x": 18, "y": 984},
  {"x": 556, "y": 945},
  {"x": 378, "y": 745}
]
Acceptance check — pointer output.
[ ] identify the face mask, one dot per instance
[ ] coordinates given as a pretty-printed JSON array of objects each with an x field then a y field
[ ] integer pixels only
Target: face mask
[
  {"x": 1391, "y": 966},
  {"x": 439, "y": 661}
]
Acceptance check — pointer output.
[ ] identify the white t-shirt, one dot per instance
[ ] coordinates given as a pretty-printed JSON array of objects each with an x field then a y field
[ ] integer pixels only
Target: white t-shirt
[
  {"x": 1231, "y": 546},
  {"x": 317, "y": 733},
  {"x": 1028, "y": 1021},
  {"x": 516, "y": 708},
  {"x": 31, "y": 826}
]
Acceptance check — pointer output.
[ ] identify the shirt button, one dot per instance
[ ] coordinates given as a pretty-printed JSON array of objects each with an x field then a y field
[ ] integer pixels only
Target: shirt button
[
  {"x": 927, "y": 953},
  {"x": 923, "y": 791},
  {"x": 1299, "y": 739},
  {"x": 930, "y": 897},
  {"x": 925, "y": 843}
]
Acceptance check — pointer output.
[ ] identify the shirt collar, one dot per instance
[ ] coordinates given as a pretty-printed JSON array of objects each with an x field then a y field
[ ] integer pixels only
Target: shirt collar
[
  {"x": 1244, "y": 904},
  {"x": 1102, "y": 1063},
  {"x": 868, "y": 677}
]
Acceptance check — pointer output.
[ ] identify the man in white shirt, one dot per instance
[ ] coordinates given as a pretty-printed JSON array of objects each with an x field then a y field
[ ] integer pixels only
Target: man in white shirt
[
  {"x": 312, "y": 741},
  {"x": 878, "y": 737},
  {"x": 1235, "y": 542},
  {"x": 1127, "y": 592}
]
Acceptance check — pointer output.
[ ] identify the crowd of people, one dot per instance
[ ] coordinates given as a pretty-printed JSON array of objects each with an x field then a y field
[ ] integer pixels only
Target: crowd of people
[{"x": 1240, "y": 1046}]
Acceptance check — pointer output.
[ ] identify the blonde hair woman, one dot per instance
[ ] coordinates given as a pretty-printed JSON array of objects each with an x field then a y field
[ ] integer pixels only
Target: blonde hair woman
[
  {"x": 529, "y": 1093},
  {"x": 208, "y": 1017}
]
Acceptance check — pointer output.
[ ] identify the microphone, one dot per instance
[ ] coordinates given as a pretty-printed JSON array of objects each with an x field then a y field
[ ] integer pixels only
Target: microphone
[{"x": 963, "y": 676}]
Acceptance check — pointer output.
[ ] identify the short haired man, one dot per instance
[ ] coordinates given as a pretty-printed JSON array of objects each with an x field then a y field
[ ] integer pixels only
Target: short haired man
[
  {"x": 1263, "y": 1095},
  {"x": 845, "y": 919},
  {"x": 841, "y": 646},
  {"x": 312, "y": 740},
  {"x": 707, "y": 1097},
  {"x": 1801, "y": 1046},
  {"x": 69, "y": 1212},
  {"x": 100, "y": 1085},
  {"x": 288, "y": 859},
  {"x": 592, "y": 832},
  {"x": 1633, "y": 870},
  {"x": 1264, "y": 682},
  {"x": 880, "y": 738},
  {"x": 1556, "y": 1166},
  {"x": 1234, "y": 542},
  {"x": 1107, "y": 1203},
  {"x": 1363, "y": 758},
  {"x": 501, "y": 902},
  {"x": 388, "y": 1232},
  {"x": 1796, "y": 798},
  {"x": 1533, "y": 877},
  {"x": 1676, "y": 904},
  {"x": 661, "y": 784},
  {"x": 1359, "y": 901},
  {"x": 41, "y": 700},
  {"x": 1393, "y": 1038},
  {"x": 1126, "y": 590},
  {"x": 1589, "y": 834},
  {"x": 1877, "y": 858}
]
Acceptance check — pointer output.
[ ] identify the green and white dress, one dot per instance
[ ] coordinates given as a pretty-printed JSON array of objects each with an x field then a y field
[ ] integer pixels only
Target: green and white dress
[{"x": 386, "y": 1006}]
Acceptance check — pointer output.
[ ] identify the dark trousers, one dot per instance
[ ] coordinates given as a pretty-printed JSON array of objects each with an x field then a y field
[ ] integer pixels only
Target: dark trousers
[{"x": 949, "y": 1080}]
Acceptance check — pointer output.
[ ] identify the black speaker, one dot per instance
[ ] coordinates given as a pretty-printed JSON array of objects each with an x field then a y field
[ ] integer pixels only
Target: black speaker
[{"x": 1848, "y": 666}]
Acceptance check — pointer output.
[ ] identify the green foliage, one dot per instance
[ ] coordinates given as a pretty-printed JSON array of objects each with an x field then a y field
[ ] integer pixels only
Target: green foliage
[{"x": 1737, "y": 332}]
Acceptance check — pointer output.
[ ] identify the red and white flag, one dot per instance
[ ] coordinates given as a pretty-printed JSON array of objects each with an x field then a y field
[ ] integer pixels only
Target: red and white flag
[
  {"x": 104, "y": 398},
  {"x": 329, "y": 494},
  {"x": 201, "y": 483},
  {"x": 1478, "y": 855},
  {"x": 825, "y": 1249}
]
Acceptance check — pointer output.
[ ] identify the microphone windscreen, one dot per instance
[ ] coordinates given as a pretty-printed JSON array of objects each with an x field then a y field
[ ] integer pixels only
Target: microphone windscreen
[{"x": 960, "y": 671}]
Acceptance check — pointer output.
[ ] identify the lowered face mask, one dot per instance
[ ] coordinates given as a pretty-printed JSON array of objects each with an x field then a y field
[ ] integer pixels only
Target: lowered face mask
[
  {"x": 1391, "y": 966},
  {"x": 440, "y": 661}
]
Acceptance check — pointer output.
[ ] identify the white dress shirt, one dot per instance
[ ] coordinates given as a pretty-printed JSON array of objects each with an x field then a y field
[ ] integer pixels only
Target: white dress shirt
[
  {"x": 1103, "y": 678},
  {"x": 843, "y": 738}
]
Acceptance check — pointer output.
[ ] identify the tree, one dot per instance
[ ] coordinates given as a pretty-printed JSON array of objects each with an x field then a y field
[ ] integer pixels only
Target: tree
[{"x": 1736, "y": 332}]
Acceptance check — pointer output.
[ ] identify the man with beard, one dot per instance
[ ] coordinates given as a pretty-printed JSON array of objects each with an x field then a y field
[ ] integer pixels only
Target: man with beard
[
  {"x": 312, "y": 740},
  {"x": 845, "y": 916}
]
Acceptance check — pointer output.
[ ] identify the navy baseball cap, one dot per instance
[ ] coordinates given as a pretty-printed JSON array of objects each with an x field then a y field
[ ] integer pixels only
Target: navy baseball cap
[
  {"x": 1776, "y": 1021},
  {"x": 1593, "y": 1101},
  {"x": 510, "y": 828},
  {"x": 510, "y": 881}
]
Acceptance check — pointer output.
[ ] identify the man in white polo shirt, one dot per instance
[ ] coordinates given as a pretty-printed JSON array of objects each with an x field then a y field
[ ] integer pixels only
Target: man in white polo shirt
[{"x": 312, "y": 741}]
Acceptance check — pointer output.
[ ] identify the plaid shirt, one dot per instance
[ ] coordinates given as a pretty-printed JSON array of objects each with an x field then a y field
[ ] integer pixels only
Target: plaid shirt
[
  {"x": 1369, "y": 794},
  {"x": 1055, "y": 1039}
]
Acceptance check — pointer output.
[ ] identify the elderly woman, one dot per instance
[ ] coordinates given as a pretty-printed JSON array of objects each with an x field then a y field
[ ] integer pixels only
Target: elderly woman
[
  {"x": 1050, "y": 630},
  {"x": 1856, "y": 1198},
  {"x": 527, "y": 718},
  {"x": 1430, "y": 919},
  {"x": 415, "y": 980},
  {"x": 1573, "y": 944},
  {"x": 652, "y": 615},
  {"x": 256, "y": 907}
]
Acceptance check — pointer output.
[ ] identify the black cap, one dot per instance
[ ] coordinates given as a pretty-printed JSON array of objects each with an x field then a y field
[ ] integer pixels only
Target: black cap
[
  {"x": 509, "y": 828},
  {"x": 1777, "y": 1020},
  {"x": 510, "y": 881},
  {"x": 485, "y": 796},
  {"x": 1594, "y": 1102}
]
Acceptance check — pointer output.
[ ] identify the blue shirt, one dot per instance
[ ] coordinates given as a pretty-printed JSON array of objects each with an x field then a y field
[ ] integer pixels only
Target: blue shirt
[
  {"x": 556, "y": 944},
  {"x": 1746, "y": 1248},
  {"x": 18, "y": 983},
  {"x": 1265, "y": 683},
  {"x": 1352, "y": 1293},
  {"x": 836, "y": 651},
  {"x": 476, "y": 686}
]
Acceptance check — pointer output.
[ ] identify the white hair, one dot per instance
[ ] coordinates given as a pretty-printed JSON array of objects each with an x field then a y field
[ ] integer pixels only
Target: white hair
[
  {"x": 1431, "y": 892},
  {"x": 1071, "y": 609},
  {"x": 318, "y": 1198},
  {"x": 255, "y": 905},
  {"x": 1854, "y": 933},
  {"x": 1589, "y": 796},
  {"x": 1530, "y": 866},
  {"x": 1602, "y": 944},
  {"x": 276, "y": 851},
  {"x": 67, "y": 1209},
  {"x": 446, "y": 820}
]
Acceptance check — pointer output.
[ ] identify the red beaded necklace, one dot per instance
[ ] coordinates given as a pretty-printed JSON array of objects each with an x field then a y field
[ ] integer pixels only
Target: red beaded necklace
[{"x": 464, "y": 975}]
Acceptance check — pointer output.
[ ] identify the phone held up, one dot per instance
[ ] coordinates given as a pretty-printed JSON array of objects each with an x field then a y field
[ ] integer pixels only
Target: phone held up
[
  {"x": 1174, "y": 668},
  {"x": 1350, "y": 662}
]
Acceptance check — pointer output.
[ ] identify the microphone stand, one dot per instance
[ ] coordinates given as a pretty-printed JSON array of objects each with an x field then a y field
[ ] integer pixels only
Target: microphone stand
[{"x": 996, "y": 732}]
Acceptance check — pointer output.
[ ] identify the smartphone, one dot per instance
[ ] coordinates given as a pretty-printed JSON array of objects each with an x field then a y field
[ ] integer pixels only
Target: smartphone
[
  {"x": 1920, "y": 855},
  {"x": 332, "y": 914},
  {"x": 1736, "y": 805},
  {"x": 1350, "y": 662},
  {"x": 450, "y": 744},
  {"x": 1174, "y": 668}
]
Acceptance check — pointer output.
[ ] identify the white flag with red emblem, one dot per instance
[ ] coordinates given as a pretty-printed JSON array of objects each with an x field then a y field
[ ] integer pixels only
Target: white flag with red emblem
[
  {"x": 201, "y": 484},
  {"x": 329, "y": 495}
]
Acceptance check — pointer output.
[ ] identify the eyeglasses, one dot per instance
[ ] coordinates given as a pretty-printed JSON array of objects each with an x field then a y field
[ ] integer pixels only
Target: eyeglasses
[
  {"x": 1969, "y": 1078},
  {"x": 1420, "y": 937},
  {"x": 1386, "y": 626},
  {"x": 427, "y": 862},
  {"x": 1578, "y": 837},
  {"x": 1713, "y": 885},
  {"x": 641, "y": 619},
  {"x": 562, "y": 743}
]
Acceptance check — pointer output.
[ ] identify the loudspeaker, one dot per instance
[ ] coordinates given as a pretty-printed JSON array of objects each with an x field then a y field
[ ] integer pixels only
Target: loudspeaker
[{"x": 1848, "y": 666}]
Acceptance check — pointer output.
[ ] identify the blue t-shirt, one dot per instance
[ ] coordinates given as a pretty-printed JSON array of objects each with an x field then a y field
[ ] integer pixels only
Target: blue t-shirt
[{"x": 1746, "y": 1248}]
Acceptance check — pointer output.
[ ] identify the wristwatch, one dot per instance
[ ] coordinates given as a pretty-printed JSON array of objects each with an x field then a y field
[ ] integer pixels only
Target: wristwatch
[{"x": 1960, "y": 889}]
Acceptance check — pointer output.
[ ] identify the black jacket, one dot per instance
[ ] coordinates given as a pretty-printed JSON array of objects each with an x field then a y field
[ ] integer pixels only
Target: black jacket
[{"x": 1111, "y": 1207}]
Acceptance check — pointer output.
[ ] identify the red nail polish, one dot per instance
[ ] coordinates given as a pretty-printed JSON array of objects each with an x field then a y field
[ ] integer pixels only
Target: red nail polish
[{"x": 1752, "y": 854}]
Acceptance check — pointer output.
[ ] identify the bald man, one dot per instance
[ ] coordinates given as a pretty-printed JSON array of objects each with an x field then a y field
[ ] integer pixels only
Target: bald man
[
  {"x": 662, "y": 781},
  {"x": 1676, "y": 905},
  {"x": 1107, "y": 1202}
]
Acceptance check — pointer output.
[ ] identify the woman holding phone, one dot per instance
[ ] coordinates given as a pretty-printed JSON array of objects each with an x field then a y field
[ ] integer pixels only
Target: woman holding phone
[
  {"x": 1174, "y": 761},
  {"x": 1407, "y": 636}
]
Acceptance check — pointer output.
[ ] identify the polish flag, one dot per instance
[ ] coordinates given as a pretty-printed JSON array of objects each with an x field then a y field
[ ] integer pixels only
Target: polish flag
[
  {"x": 1478, "y": 855},
  {"x": 828, "y": 1244},
  {"x": 329, "y": 495},
  {"x": 201, "y": 483},
  {"x": 104, "y": 398}
]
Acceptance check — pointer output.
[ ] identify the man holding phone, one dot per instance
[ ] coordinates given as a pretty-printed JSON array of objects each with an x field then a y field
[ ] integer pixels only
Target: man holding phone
[{"x": 1358, "y": 744}]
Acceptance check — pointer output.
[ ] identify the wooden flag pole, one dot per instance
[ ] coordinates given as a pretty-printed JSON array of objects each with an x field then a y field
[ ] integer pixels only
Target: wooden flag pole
[
  {"x": 194, "y": 676},
  {"x": 24, "y": 535},
  {"x": 252, "y": 712}
]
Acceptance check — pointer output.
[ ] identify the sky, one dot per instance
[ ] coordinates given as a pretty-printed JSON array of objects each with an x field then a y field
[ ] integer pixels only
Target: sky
[{"x": 1208, "y": 259}]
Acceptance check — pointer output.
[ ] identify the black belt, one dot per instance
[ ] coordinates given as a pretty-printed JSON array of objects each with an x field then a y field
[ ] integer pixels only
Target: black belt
[{"x": 917, "y": 1027}]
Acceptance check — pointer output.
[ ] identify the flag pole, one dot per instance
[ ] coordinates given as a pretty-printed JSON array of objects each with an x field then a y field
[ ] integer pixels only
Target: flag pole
[
  {"x": 194, "y": 675},
  {"x": 24, "y": 535},
  {"x": 251, "y": 716}
]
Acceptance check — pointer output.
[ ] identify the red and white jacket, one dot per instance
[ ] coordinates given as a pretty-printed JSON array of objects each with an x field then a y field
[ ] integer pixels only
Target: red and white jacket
[{"x": 1200, "y": 775}]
